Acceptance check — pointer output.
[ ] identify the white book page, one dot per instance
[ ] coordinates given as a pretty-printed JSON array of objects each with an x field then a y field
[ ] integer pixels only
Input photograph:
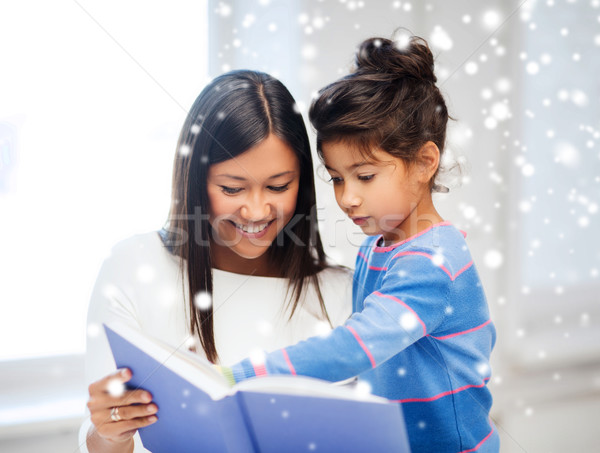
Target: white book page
[{"x": 307, "y": 386}]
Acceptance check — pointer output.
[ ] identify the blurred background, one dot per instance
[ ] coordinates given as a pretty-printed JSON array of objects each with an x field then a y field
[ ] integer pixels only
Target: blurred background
[{"x": 92, "y": 96}]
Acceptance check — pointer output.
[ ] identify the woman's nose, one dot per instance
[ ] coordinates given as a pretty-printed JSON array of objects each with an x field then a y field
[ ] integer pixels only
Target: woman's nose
[{"x": 255, "y": 209}]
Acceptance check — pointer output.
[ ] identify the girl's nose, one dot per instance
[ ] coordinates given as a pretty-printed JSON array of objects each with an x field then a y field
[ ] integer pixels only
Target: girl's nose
[{"x": 349, "y": 198}]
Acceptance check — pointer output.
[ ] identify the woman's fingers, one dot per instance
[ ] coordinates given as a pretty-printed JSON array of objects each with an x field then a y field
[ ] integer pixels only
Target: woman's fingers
[
  {"x": 113, "y": 384},
  {"x": 123, "y": 413},
  {"x": 110, "y": 391},
  {"x": 116, "y": 412},
  {"x": 103, "y": 400},
  {"x": 125, "y": 428}
]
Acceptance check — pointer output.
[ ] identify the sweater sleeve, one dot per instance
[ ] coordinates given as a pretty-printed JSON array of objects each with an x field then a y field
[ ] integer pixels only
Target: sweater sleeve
[
  {"x": 410, "y": 302},
  {"x": 111, "y": 300}
]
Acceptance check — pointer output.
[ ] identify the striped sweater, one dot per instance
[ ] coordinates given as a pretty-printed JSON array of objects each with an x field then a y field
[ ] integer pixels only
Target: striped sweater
[{"x": 420, "y": 335}]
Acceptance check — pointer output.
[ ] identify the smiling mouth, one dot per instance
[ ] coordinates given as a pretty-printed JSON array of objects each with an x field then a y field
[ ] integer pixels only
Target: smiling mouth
[{"x": 253, "y": 228}]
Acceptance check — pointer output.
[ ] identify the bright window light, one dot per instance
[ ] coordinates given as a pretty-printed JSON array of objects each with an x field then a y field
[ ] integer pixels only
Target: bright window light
[{"x": 92, "y": 97}]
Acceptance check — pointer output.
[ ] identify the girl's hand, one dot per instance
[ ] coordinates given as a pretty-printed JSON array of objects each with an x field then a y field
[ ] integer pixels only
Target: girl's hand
[{"x": 116, "y": 415}]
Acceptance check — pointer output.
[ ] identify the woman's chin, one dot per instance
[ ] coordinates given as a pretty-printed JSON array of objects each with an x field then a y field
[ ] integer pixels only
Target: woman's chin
[{"x": 250, "y": 254}]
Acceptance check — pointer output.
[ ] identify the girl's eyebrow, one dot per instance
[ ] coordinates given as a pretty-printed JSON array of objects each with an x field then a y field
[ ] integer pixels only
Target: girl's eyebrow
[
  {"x": 241, "y": 178},
  {"x": 351, "y": 167}
]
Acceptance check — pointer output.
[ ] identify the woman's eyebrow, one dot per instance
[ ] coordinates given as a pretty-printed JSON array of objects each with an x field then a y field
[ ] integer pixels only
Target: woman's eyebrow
[
  {"x": 241, "y": 178},
  {"x": 283, "y": 173}
]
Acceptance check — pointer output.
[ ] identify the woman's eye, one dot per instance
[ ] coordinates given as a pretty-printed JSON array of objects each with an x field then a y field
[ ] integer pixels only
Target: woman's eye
[
  {"x": 365, "y": 177},
  {"x": 231, "y": 190},
  {"x": 335, "y": 179},
  {"x": 279, "y": 188}
]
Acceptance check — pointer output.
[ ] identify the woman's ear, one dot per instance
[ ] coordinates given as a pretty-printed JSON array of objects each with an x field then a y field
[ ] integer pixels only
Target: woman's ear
[{"x": 429, "y": 161}]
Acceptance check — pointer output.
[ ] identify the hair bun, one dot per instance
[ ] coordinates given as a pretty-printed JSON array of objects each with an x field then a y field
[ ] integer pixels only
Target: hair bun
[{"x": 408, "y": 56}]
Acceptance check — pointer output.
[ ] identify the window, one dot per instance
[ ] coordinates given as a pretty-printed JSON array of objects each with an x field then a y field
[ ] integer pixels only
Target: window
[
  {"x": 92, "y": 99},
  {"x": 556, "y": 190}
]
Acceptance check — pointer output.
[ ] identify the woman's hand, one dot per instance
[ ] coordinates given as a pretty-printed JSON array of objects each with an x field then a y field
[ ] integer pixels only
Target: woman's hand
[{"x": 116, "y": 415}]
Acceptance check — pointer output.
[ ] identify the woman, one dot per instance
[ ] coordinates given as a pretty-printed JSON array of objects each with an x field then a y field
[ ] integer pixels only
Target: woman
[{"x": 239, "y": 265}]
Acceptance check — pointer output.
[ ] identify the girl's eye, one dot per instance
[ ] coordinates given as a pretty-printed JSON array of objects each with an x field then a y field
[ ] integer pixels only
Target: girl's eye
[
  {"x": 335, "y": 179},
  {"x": 231, "y": 190},
  {"x": 279, "y": 188},
  {"x": 365, "y": 177}
]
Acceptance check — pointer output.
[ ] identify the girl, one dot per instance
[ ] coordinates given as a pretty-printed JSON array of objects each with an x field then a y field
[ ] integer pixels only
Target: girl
[
  {"x": 239, "y": 266},
  {"x": 421, "y": 333}
]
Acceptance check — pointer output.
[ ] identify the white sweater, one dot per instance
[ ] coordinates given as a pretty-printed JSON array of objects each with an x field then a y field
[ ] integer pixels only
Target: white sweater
[{"x": 140, "y": 284}]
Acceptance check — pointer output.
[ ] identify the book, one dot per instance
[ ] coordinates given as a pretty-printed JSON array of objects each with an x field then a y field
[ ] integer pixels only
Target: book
[{"x": 199, "y": 411}]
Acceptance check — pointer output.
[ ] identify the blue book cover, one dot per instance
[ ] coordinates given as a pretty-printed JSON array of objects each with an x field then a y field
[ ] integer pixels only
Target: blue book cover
[{"x": 200, "y": 411}]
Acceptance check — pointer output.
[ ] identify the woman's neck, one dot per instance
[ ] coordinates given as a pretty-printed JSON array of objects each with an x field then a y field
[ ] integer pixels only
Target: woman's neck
[{"x": 223, "y": 258}]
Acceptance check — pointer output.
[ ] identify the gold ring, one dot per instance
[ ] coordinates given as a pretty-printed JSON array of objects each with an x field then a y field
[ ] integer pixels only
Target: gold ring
[{"x": 114, "y": 414}]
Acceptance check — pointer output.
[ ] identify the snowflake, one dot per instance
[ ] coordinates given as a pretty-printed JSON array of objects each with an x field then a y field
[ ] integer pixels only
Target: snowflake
[
  {"x": 532, "y": 68},
  {"x": 265, "y": 328},
  {"x": 566, "y": 154},
  {"x": 528, "y": 170},
  {"x": 483, "y": 368},
  {"x": 115, "y": 388},
  {"x": 408, "y": 321},
  {"x": 440, "y": 38},
  {"x": 203, "y": 300},
  {"x": 491, "y": 19},
  {"x": 93, "y": 330},
  {"x": 257, "y": 357},
  {"x": 471, "y": 68},
  {"x": 224, "y": 10},
  {"x": 248, "y": 20},
  {"x": 362, "y": 389},
  {"x": 145, "y": 273},
  {"x": 438, "y": 259}
]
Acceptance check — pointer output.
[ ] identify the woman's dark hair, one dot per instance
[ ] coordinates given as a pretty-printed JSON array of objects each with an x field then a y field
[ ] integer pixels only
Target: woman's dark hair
[
  {"x": 390, "y": 101},
  {"x": 235, "y": 112}
]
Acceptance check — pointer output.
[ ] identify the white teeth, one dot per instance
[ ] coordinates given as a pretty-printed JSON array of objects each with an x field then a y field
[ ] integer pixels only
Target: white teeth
[{"x": 252, "y": 229}]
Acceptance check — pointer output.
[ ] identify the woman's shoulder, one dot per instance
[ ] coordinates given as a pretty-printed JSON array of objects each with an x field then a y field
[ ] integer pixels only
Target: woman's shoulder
[
  {"x": 139, "y": 246},
  {"x": 335, "y": 284},
  {"x": 335, "y": 275},
  {"x": 139, "y": 254}
]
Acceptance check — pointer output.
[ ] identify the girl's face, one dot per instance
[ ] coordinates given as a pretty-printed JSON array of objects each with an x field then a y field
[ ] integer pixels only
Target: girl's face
[
  {"x": 252, "y": 197},
  {"x": 380, "y": 194}
]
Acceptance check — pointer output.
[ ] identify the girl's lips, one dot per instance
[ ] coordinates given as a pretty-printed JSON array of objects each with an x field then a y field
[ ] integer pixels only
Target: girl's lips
[
  {"x": 360, "y": 220},
  {"x": 257, "y": 235}
]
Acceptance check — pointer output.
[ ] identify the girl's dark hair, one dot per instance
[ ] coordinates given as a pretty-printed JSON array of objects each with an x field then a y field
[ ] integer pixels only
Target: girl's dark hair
[
  {"x": 390, "y": 101},
  {"x": 235, "y": 112}
]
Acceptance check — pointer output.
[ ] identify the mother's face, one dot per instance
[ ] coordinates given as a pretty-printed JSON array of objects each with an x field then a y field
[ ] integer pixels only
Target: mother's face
[{"x": 253, "y": 196}]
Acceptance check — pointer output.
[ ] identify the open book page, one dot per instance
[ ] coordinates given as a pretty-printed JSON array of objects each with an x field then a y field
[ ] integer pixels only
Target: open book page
[
  {"x": 195, "y": 369},
  {"x": 200, "y": 372},
  {"x": 306, "y": 386}
]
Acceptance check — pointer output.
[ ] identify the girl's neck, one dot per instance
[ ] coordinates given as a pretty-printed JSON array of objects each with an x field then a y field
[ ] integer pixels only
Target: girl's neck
[{"x": 422, "y": 217}]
